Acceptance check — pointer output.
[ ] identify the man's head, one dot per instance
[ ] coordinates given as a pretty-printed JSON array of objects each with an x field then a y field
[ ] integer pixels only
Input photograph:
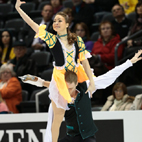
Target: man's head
[
  {"x": 20, "y": 49},
  {"x": 47, "y": 12},
  {"x": 118, "y": 11},
  {"x": 71, "y": 81}
]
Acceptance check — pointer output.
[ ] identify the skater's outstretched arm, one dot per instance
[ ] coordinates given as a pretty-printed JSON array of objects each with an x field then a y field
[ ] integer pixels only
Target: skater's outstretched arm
[{"x": 25, "y": 17}]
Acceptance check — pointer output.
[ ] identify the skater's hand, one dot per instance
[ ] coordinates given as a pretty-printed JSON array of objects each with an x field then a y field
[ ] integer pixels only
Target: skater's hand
[
  {"x": 18, "y": 3},
  {"x": 90, "y": 89},
  {"x": 136, "y": 57}
]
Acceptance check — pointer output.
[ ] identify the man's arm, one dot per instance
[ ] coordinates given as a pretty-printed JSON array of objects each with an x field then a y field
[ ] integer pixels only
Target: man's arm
[{"x": 103, "y": 81}]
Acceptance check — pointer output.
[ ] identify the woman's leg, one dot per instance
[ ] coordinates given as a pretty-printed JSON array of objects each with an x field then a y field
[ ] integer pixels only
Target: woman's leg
[{"x": 57, "y": 119}]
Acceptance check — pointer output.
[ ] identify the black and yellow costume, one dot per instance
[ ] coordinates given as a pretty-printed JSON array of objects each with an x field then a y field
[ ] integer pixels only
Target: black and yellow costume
[{"x": 65, "y": 60}]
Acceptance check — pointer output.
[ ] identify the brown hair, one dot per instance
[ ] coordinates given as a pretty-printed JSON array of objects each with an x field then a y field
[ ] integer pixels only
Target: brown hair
[
  {"x": 84, "y": 26},
  {"x": 70, "y": 77},
  {"x": 72, "y": 37},
  {"x": 68, "y": 11},
  {"x": 107, "y": 22},
  {"x": 119, "y": 85},
  {"x": 137, "y": 5}
]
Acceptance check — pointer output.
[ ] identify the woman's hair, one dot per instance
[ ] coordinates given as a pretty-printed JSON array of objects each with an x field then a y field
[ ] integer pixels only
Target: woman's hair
[
  {"x": 117, "y": 86},
  {"x": 137, "y": 25},
  {"x": 4, "y": 67},
  {"x": 68, "y": 11},
  {"x": 9, "y": 46},
  {"x": 72, "y": 37},
  {"x": 107, "y": 22},
  {"x": 84, "y": 26},
  {"x": 70, "y": 77},
  {"x": 137, "y": 5},
  {"x": 60, "y": 2}
]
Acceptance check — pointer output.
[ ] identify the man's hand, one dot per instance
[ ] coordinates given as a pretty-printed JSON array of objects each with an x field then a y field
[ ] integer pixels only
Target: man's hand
[
  {"x": 90, "y": 89},
  {"x": 18, "y": 3},
  {"x": 136, "y": 57}
]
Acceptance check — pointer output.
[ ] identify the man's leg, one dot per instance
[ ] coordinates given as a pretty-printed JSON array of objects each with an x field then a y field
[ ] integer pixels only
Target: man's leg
[
  {"x": 71, "y": 139},
  {"x": 65, "y": 139},
  {"x": 90, "y": 139},
  {"x": 57, "y": 119}
]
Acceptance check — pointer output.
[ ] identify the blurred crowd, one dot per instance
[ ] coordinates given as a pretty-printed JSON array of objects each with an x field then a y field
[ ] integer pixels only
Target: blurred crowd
[{"x": 102, "y": 24}]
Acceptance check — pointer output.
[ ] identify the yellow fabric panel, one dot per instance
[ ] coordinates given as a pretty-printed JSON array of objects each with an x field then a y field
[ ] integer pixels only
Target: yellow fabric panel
[
  {"x": 70, "y": 63},
  {"x": 61, "y": 84},
  {"x": 59, "y": 77},
  {"x": 129, "y": 5},
  {"x": 49, "y": 38}
]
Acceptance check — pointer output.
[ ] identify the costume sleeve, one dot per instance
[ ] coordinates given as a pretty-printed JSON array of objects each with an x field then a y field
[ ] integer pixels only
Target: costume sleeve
[
  {"x": 81, "y": 46},
  {"x": 103, "y": 81},
  {"x": 49, "y": 38},
  {"x": 13, "y": 86}
]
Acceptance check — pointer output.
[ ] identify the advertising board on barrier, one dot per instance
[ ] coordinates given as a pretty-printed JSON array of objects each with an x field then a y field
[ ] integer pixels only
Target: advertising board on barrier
[{"x": 112, "y": 127}]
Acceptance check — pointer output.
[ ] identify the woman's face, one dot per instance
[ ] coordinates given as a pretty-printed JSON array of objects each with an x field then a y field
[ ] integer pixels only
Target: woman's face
[
  {"x": 80, "y": 31},
  {"x": 55, "y": 3},
  {"x": 139, "y": 10},
  {"x": 106, "y": 30},
  {"x": 119, "y": 94},
  {"x": 59, "y": 24},
  {"x": 5, "y": 37},
  {"x": 6, "y": 75}
]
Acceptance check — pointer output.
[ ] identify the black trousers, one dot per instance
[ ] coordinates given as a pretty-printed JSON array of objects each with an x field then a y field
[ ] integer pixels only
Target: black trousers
[{"x": 77, "y": 138}]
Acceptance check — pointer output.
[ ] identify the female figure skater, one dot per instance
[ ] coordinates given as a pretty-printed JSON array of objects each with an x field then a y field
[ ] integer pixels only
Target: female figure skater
[{"x": 68, "y": 50}]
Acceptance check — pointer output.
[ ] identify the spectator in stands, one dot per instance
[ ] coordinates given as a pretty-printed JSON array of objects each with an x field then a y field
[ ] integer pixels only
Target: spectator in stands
[
  {"x": 57, "y": 6},
  {"x": 136, "y": 27},
  {"x": 119, "y": 100},
  {"x": 128, "y": 5},
  {"x": 69, "y": 12},
  {"x": 134, "y": 75},
  {"x": 137, "y": 103},
  {"x": 6, "y": 50},
  {"x": 103, "y": 49},
  {"x": 22, "y": 64},
  {"x": 38, "y": 44},
  {"x": 10, "y": 88},
  {"x": 81, "y": 30},
  {"x": 82, "y": 12},
  {"x": 121, "y": 23},
  {"x": 3, "y": 107}
]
